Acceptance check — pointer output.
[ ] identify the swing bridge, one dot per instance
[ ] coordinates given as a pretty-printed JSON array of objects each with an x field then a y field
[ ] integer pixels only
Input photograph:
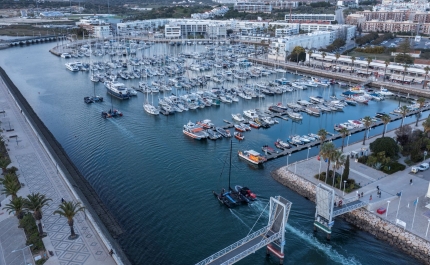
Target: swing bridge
[{"x": 272, "y": 236}]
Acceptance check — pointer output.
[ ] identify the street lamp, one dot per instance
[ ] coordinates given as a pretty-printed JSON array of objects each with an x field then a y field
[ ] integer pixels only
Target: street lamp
[
  {"x": 22, "y": 249},
  {"x": 386, "y": 213},
  {"x": 428, "y": 227},
  {"x": 287, "y": 159},
  {"x": 344, "y": 184},
  {"x": 347, "y": 141},
  {"x": 309, "y": 148}
]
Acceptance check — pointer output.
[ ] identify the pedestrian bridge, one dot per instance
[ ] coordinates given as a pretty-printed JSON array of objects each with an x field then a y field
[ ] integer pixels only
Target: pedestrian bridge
[
  {"x": 348, "y": 207},
  {"x": 274, "y": 233}
]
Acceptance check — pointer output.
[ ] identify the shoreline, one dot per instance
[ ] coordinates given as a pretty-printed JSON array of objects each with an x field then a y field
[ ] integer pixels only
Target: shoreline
[
  {"x": 102, "y": 220},
  {"x": 363, "y": 219}
]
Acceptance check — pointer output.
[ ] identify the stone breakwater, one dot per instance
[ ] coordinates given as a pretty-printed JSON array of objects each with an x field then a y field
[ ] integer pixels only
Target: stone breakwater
[{"x": 363, "y": 219}]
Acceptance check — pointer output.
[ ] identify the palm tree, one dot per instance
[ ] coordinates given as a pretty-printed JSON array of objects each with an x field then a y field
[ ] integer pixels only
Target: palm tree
[
  {"x": 421, "y": 102},
  {"x": 11, "y": 188},
  {"x": 35, "y": 202},
  {"x": 367, "y": 122},
  {"x": 343, "y": 132},
  {"x": 403, "y": 111},
  {"x": 4, "y": 162},
  {"x": 323, "y": 54},
  {"x": 427, "y": 70},
  {"x": 338, "y": 160},
  {"x": 426, "y": 125},
  {"x": 15, "y": 206},
  {"x": 322, "y": 133},
  {"x": 369, "y": 60},
  {"x": 385, "y": 119},
  {"x": 69, "y": 210},
  {"x": 310, "y": 52},
  {"x": 387, "y": 63},
  {"x": 327, "y": 150},
  {"x": 405, "y": 66},
  {"x": 337, "y": 55},
  {"x": 352, "y": 61}
]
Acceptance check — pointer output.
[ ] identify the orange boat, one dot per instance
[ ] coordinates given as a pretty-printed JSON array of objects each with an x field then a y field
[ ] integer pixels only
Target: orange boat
[
  {"x": 252, "y": 156},
  {"x": 239, "y": 136}
]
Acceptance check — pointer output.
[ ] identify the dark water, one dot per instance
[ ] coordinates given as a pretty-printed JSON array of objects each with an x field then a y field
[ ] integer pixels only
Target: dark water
[{"x": 158, "y": 182}]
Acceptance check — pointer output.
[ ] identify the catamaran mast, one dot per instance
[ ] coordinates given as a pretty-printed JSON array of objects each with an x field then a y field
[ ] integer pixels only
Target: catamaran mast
[{"x": 229, "y": 171}]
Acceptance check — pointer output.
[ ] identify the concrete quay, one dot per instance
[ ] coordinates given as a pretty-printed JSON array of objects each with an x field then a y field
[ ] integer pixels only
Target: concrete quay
[
  {"x": 404, "y": 90},
  {"x": 413, "y": 239},
  {"x": 44, "y": 167}
]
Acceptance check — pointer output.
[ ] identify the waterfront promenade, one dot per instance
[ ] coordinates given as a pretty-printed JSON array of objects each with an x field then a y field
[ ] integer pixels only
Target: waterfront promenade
[
  {"x": 390, "y": 185},
  {"x": 38, "y": 173}
]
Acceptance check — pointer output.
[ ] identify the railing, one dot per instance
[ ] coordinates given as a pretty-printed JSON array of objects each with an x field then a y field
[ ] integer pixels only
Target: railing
[
  {"x": 234, "y": 245},
  {"x": 350, "y": 208},
  {"x": 254, "y": 248}
]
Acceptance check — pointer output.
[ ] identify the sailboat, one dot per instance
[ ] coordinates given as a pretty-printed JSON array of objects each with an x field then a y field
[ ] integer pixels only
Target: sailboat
[
  {"x": 150, "y": 107},
  {"x": 238, "y": 195},
  {"x": 94, "y": 98}
]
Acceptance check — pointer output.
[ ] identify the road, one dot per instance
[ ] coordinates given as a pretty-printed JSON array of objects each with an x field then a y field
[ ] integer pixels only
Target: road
[{"x": 339, "y": 16}]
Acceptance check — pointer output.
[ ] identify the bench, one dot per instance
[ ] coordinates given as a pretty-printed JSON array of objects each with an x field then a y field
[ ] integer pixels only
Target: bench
[
  {"x": 10, "y": 130},
  {"x": 13, "y": 136}
]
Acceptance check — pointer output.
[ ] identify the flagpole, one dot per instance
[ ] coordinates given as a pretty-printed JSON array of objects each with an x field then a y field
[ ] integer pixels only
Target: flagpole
[
  {"x": 398, "y": 207},
  {"x": 413, "y": 219}
]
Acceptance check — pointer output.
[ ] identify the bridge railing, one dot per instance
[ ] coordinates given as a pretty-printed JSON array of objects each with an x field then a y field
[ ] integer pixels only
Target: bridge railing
[
  {"x": 254, "y": 248},
  {"x": 234, "y": 245},
  {"x": 350, "y": 208}
]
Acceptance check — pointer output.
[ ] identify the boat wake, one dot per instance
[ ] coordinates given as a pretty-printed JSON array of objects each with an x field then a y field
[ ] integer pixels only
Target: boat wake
[
  {"x": 122, "y": 128},
  {"x": 240, "y": 219},
  {"x": 327, "y": 249}
]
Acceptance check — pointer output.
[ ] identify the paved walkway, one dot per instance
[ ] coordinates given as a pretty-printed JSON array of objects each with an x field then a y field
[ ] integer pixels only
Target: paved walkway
[
  {"x": 39, "y": 174},
  {"x": 399, "y": 208},
  {"x": 13, "y": 238}
]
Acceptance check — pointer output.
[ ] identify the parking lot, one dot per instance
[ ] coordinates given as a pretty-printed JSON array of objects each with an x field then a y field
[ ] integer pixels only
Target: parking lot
[{"x": 423, "y": 44}]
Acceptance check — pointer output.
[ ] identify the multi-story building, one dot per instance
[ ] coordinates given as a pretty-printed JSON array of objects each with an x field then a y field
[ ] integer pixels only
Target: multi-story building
[
  {"x": 309, "y": 17},
  {"x": 355, "y": 19},
  {"x": 400, "y": 15},
  {"x": 101, "y": 31},
  {"x": 172, "y": 32},
  {"x": 205, "y": 28},
  {"x": 346, "y": 32},
  {"x": 314, "y": 40},
  {"x": 253, "y": 7},
  {"x": 389, "y": 26},
  {"x": 97, "y": 27}
]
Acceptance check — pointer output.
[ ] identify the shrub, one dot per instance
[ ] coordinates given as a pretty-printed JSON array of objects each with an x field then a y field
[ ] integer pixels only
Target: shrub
[
  {"x": 385, "y": 144},
  {"x": 393, "y": 167},
  {"x": 32, "y": 233}
]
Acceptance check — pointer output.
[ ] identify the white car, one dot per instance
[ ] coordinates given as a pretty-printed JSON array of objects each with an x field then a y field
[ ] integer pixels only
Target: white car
[{"x": 423, "y": 166}]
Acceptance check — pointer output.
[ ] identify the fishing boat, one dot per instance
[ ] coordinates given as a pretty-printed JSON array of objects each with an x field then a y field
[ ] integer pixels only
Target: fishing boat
[
  {"x": 312, "y": 111},
  {"x": 111, "y": 113},
  {"x": 207, "y": 124},
  {"x": 213, "y": 135},
  {"x": 252, "y": 157},
  {"x": 254, "y": 124},
  {"x": 239, "y": 136},
  {"x": 268, "y": 149},
  {"x": 194, "y": 131},
  {"x": 355, "y": 123},
  {"x": 239, "y": 128},
  {"x": 246, "y": 126},
  {"x": 238, "y": 117},
  {"x": 350, "y": 102},
  {"x": 245, "y": 192},
  {"x": 225, "y": 133},
  {"x": 250, "y": 114},
  {"x": 294, "y": 115},
  {"x": 281, "y": 144},
  {"x": 361, "y": 99},
  {"x": 117, "y": 89}
]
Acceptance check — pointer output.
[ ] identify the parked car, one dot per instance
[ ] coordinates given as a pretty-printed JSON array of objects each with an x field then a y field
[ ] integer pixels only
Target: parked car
[{"x": 423, "y": 166}]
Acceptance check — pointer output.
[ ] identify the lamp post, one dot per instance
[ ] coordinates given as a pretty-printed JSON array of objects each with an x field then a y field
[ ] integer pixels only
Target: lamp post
[
  {"x": 386, "y": 213},
  {"x": 344, "y": 184},
  {"x": 319, "y": 172},
  {"x": 347, "y": 141},
  {"x": 22, "y": 249},
  {"x": 309, "y": 148},
  {"x": 287, "y": 159}
]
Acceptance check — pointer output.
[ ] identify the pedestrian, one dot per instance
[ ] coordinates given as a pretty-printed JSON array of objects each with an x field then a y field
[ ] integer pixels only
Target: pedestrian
[
  {"x": 410, "y": 182},
  {"x": 357, "y": 194},
  {"x": 62, "y": 200},
  {"x": 377, "y": 187},
  {"x": 370, "y": 197},
  {"x": 361, "y": 194}
]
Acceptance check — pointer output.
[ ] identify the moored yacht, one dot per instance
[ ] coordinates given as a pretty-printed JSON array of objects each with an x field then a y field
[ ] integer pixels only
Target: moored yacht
[{"x": 117, "y": 89}]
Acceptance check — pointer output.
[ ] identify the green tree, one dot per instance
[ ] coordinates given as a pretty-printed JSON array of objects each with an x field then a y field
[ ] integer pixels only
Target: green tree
[
  {"x": 387, "y": 63},
  {"x": 338, "y": 160},
  {"x": 323, "y": 55},
  {"x": 404, "y": 46},
  {"x": 405, "y": 67},
  {"x": 369, "y": 60},
  {"x": 322, "y": 133},
  {"x": 345, "y": 173},
  {"x": 421, "y": 101},
  {"x": 35, "y": 202},
  {"x": 385, "y": 119},
  {"x": 337, "y": 55},
  {"x": 404, "y": 110},
  {"x": 367, "y": 122},
  {"x": 326, "y": 152},
  {"x": 11, "y": 188},
  {"x": 343, "y": 132},
  {"x": 310, "y": 52},
  {"x": 298, "y": 54},
  {"x": 4, "y": 162},
  {"x": 69, "y": 210},
  {"x": 385, "y": 144},
  {"x": 15, "y": 206},
  {"x": 427, "y": 70},
  {"x": 426, "y": 125},
  {"x": 404, "y": 58}
]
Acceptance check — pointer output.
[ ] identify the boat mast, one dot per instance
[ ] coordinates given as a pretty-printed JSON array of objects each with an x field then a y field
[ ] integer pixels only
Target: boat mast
[{"x": 229, "y": 171}]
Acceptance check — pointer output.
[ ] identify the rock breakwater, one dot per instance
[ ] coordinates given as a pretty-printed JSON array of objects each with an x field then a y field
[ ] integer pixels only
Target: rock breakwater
[{"x": 411, "y": 244}]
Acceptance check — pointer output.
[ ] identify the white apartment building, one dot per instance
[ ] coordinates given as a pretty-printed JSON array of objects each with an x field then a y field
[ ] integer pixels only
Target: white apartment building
[
  {"x": 101, "y": 31},
  {"x": 314, "y": 40},
  {"x": 253, "y": 7},
  {"x": 287, "y": 30},
  {"x": 205, "y": 28},
  {"x": 342, "y": 31},
  {"x": 172, "y": 32},
  {"x": 310, "y": 17}
]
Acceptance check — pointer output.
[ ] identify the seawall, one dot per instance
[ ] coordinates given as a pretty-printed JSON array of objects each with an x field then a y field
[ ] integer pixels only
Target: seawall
[
  {"x": 103, "y": 221},
  {"x": 363, "y": 219}
]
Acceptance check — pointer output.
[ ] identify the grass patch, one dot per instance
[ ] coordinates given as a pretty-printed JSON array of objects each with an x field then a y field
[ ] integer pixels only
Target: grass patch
[{"x": 350, "y": 183}]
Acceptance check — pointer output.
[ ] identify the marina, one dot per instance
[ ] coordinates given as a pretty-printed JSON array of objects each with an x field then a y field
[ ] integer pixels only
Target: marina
[{"x": 117, "y": 156}]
